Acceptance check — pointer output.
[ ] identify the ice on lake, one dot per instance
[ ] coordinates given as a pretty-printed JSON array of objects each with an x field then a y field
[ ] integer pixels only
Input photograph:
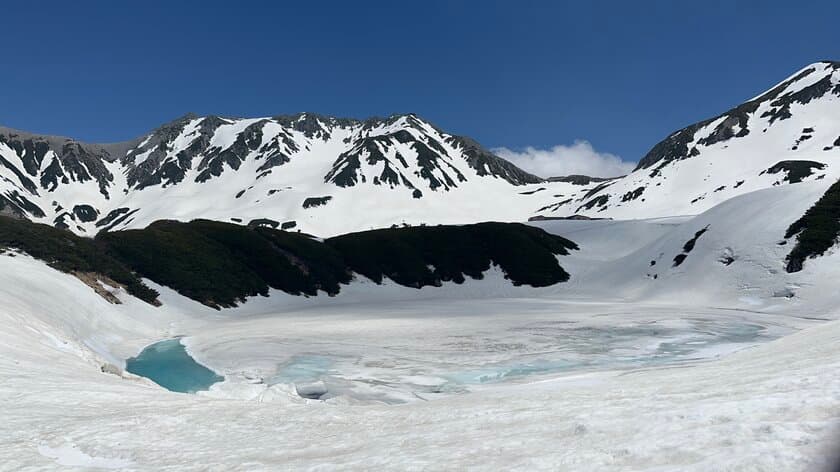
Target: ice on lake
[{"x": 424, "y": 365}]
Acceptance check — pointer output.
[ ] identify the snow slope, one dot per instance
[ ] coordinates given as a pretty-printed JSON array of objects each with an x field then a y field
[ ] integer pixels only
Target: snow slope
[
  {"x": 739, "y": 260},
  {"x": 321, "y": 175},
  {"x": 328, "y": 176},
  {"x": 680, "y": 342},
  {"x": 642, "y": 381},
  {"x": 771, "y": 407},
  {"x": 680, "y": 372},
  {"x": 796, "y": 124}
]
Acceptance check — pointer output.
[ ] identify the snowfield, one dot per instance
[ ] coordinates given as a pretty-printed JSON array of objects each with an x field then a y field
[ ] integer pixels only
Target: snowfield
[
  {"x": 770, "y": 407},
  {"x": 743, "y": 150},
  {"x": 328, "y": 176},
  {"x": 680, "y": 342},
  {"x": 707, "y": 366},
  {"x": 365, "y": 175}
]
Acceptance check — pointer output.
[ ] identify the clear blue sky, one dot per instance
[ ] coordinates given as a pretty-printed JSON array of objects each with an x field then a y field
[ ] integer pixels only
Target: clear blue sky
[{"x": 619, "y": 74}]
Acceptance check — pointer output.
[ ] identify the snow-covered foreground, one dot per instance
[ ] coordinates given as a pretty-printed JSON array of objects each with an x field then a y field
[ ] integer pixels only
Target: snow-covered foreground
[
  {"x": 769, "y": 407},
  {"x": 707, "y": 366}
]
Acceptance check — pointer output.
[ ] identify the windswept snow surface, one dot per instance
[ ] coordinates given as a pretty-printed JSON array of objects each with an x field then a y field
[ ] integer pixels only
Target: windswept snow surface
[{"x": 707, "y": 366}]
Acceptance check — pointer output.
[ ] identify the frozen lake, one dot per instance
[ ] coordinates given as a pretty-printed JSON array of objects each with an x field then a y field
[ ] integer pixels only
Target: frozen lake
[
  {"x": 553, "y": 349},
  {"x": 399, "y": 359}
]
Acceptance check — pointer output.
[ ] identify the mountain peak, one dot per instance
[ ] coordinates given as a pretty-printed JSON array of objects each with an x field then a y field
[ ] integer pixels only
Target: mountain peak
[
  {"x": 814, "y": 82},
  {"x": 254, "y": 169},
  {"x": 829, "y": 62},
  {"x": 328, "y": 175},
  {"x": 788, "y": 134}
]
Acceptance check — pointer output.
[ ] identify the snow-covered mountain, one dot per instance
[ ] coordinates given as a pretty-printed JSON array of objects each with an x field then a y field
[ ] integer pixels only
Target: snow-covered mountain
[
  {"x": 625, "y": 361},
  {"x": 789, "y": 134},
  {"x": 319, "y": 174},
  {"x": 328, "y": 176},
  {"x": 619, "y": 365}
]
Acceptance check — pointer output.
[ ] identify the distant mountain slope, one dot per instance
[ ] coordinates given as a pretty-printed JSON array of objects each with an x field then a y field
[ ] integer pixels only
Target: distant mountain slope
[
  {"x": 789, "y": 134},
  {"x": 329, "y": 176},
  {"x": 738, "y": 253},
  {"x": 319, "y": 174}
]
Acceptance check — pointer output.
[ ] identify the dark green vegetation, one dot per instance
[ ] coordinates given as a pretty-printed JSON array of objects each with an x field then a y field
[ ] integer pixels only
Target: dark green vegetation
[
  {"x": 67, "y": 252},
  {"x": 220, "y": 264},
  {"x": 430, "y": 255},
  {"x": 576, "y": 179},
  {"x": 817, "y": 231}
]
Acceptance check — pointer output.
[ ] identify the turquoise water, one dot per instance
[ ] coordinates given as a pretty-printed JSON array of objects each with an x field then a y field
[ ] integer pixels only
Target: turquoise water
[{"x": 168, "y": 364}]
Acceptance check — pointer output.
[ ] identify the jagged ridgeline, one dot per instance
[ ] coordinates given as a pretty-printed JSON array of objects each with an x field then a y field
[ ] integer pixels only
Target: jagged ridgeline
[
  {"x": 298, "y": 165},
  {"x": 220, "y": 264},
  {"x": 329, "y": 176},
  {"x": 786, "y": 135}
]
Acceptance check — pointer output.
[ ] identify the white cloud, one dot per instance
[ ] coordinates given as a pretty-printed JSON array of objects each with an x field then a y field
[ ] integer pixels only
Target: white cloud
[{"x": 578, "y": 158}]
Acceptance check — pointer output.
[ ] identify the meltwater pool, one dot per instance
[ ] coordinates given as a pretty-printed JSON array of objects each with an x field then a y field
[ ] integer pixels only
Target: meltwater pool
[{"x": 168, "y": 364}]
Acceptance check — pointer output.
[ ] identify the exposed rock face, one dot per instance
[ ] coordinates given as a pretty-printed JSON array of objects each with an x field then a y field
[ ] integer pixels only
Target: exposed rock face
[
  {"x": 786, "y": 135},
  {"x": 775, "y": 105},
  {"x": 312, "y": 202},
  {"x": 338, "y": 175},
  {"x": 100, "y": 283},
  {"x": 194, "y": 158}
]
